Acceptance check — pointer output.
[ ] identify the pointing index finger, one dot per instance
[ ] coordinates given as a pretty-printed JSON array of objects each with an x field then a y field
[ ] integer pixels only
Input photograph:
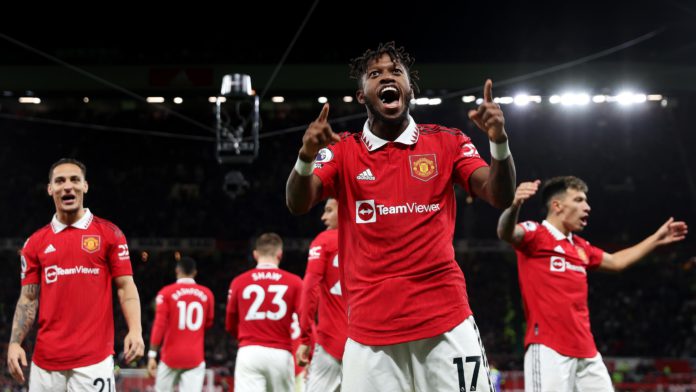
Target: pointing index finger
[
  {"x": 488, "y": 91},
  {"x": 324, "y": 113}
]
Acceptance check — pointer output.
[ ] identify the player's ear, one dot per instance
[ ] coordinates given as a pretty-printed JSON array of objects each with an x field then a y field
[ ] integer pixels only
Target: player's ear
[
  {"x": 279, "y": 255},
  {"x": 86, "y": 186},
  {"x": 49, "y": 189},
  {"x": 556, "y": 206},
  {"x": 256, "y": 255},
  {"x": 360, "y": 96}
]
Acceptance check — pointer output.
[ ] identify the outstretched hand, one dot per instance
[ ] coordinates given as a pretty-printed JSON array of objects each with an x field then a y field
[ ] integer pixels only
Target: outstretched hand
[
  {"x": 317, "y": 136},
  {"x": 489, "y": 117},
  {"x": 524, "y": 191},
  {"x": 671, "y": 231}
]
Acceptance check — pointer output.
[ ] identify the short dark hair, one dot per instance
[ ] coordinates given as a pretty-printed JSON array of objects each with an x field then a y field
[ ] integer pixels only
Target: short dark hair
[
  {"x": 558, "y": 185},
  {"x": 187, "y": 265},
  {"x": 358, "y": 65},
  {"x": 63, "y": 161},
  {"x": 268, "y": 244}
]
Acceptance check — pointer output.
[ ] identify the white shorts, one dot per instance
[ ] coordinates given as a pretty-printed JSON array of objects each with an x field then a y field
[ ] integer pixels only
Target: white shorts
[
  {"x": 189, "y": 380},
  {"x": 452, "y": 361},
  {"x": 261, "y": 368},
  {"x": 93, "y": 378},
  {"x": 547, "y": 370},
  {"x": 324, "y": 373}
]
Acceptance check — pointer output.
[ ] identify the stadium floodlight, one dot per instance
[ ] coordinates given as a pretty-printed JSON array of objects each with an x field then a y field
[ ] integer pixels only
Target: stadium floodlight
[
  {"x": 434, "y": 101},
  {"x": 237, "y": 117},
  {"x": 521, "y": 99}
]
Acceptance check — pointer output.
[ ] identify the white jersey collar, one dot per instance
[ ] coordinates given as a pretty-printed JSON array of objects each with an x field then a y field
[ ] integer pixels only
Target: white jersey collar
[
  {"x": 557, "y": 233},
  {"x": 186, "y": 280},
  {"x": 266, "y": 266},
  {"x": 408, "y": 137},
  {"x": 83, "y": 223}
]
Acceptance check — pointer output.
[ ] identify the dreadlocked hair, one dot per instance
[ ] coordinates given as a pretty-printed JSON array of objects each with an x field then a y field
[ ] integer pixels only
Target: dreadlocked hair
[{"x": 358, "y": 65}]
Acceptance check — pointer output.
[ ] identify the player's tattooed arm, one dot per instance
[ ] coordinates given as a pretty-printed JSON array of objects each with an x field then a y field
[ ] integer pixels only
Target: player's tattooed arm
[{"x": 25, "y": 312}]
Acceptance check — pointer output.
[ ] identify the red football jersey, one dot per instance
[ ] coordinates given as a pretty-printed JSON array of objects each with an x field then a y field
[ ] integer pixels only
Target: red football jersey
[
  {"x": 184, "y": 311},
  {"x": 262, "y": 305},
  {"x": 74, "y": 266},
  {"x": 396, "y": 225},
  {"x": 321, "y": 290},
  {"x": 553, "y": 279}
]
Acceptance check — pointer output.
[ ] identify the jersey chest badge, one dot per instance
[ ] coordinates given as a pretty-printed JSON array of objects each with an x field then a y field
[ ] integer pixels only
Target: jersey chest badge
[
  {"x": 423, "y": 167},
  {"x": 91, "y": 243},
  {"x": 582, "y": 255}
]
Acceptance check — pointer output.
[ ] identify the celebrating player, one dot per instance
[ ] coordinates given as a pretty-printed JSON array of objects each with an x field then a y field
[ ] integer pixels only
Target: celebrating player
[{"x": 67, "y": 268}]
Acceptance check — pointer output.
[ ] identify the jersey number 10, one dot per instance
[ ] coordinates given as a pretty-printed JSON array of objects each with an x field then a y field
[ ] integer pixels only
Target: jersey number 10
[{"x": 190, "y": 315}]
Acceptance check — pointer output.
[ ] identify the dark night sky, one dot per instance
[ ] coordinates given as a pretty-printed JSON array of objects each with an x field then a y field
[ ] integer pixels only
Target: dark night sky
[{"x": 433, "y": 31}]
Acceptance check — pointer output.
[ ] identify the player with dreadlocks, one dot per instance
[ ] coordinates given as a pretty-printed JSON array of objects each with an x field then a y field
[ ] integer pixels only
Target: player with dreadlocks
[{"x": 410, "y": 326}]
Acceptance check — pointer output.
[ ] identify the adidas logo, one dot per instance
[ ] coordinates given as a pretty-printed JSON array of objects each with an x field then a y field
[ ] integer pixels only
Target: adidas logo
[
  {"x": 49, "y": 249},
  {"x": 366, "y": 175}
]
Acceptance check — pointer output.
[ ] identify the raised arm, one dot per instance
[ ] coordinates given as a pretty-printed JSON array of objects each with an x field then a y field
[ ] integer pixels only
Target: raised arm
[
  {"x": 668, "y": 233},
  {"x": 508, "y": 230},
  {"x": 133, "y": 345},
  {"x": 497, "y": 184},
  {"x": 303, "y": 189},
  {"x": 25, "y": 313}
]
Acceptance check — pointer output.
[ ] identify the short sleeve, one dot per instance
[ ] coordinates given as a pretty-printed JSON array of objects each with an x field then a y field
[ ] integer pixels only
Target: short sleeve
[
  {"x": 327, "y": 166},
  {"x": 118, "y": 254},
  {"x": 31, "y": 267},
  {"x": 594, "y": 254},
  {"x": 466, "y": 160},
  {"x": 528, "y": 244}
]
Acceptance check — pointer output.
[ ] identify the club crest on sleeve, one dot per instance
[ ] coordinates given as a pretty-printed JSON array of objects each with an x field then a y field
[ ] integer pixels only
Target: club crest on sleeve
[
  {"x": 23, "y": 260},
  {"x": 314, "y": 252},
  {"x": 423, "y": 167},
  {"x": 529, "y": 226},
  {"x": 469, "y": 150},
  {"x": 91, "y": 243},
  {"x": 323, "y": 156}
]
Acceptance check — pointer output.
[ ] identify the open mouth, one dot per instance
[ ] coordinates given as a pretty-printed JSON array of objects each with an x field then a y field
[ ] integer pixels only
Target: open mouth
[
  {"x": 389, "y": 96},
  {"x": 68, "y": 199},
  {"x": 583, "y": 220}
]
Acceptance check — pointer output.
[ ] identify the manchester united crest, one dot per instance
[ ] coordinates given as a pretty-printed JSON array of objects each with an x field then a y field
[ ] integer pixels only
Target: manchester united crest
[
  {"x": 90, "y": 243},
  {"x": 423, "y": 167},
  {"x": 581, "y": 254}
]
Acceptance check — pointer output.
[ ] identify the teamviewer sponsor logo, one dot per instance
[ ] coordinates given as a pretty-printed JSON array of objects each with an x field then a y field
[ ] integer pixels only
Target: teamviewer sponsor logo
[
  {"x": 408, "y": 208},
  {"x": 365, "y": 211},
  {"x": 558, "y": 264},
  {"x": 52, "y": 272}
]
